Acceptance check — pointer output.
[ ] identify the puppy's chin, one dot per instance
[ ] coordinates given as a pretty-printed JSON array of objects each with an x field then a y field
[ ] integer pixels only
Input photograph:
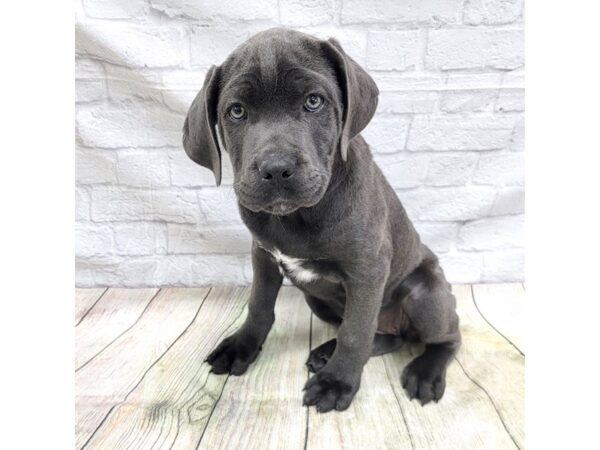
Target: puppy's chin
[{"x": 283, "y": 206}]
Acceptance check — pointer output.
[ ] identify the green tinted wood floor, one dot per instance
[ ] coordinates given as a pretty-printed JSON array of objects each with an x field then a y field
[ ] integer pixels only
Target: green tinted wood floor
[{"x": 141, "y": 382}]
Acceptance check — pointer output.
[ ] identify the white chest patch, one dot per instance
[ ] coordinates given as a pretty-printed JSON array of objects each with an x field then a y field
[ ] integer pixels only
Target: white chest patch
[{"x": 293, "y": 267}]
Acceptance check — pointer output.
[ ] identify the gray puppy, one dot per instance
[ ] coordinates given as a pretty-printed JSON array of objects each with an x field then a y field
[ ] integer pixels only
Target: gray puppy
[{"x": 288, "y": 109}]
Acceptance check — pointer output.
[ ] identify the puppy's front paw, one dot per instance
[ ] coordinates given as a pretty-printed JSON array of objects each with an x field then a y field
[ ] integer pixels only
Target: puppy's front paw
[
  {"x": 327, "y": 391},
  {"x": 424, "y": 380},
  {"x": 233, "y": 355}
]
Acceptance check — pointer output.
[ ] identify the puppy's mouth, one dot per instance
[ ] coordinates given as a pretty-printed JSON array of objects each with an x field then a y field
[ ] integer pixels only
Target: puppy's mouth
[
  {"x": 281, "y": 208},
  {"x": 281, "y": 203}
]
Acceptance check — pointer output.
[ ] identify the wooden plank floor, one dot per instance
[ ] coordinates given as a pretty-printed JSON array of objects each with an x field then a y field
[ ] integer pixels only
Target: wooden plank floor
[{"x": 141, "y": 382}]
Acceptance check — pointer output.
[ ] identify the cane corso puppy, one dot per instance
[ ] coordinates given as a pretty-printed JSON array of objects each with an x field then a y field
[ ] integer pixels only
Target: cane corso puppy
[{"x": 288, "y": 109}]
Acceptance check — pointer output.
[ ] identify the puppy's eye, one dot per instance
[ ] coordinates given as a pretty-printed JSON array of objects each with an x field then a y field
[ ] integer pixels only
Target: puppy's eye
[
  {"x": 237, "y": 112},
  {"x": 313, "y": 102}
]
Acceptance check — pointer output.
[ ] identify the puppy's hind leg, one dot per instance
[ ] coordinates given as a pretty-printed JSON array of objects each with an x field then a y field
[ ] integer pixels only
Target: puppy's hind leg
[
  {"x": 382, "y": 344},
  {"x": 431, "y": 308}
]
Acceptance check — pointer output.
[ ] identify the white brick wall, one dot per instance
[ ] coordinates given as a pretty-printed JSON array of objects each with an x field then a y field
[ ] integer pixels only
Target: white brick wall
[{"x": 448, "y": 133}]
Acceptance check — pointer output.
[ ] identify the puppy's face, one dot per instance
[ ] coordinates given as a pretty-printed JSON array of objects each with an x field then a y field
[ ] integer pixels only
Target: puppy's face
[
  {"x": 280, "y": 114},
  {"x": 281, "y": 106}
]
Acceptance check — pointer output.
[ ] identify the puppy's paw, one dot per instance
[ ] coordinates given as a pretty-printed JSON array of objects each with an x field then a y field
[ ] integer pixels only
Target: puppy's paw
[
  {"x": 319, "y": 356},
  {"x": 327, "y": 391},
  {"x": 233, "y": 355},
  {"x": 424, "y": 380}
]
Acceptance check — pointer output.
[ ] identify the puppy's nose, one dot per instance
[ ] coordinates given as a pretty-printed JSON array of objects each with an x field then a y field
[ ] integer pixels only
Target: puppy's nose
[{"x": 277, "y": 168}]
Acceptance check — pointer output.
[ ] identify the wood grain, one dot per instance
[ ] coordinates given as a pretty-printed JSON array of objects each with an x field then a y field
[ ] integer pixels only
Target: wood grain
[
  {"x": 263, "y": 408},
  {"x": 149, "y": 388},
  {"x": 173, "y": 403},
  {"x": 117, "y": 310},
  {"x": 374, "y": 419},
  {"x": 492, "y": 363},
  {"x": 463, "y": 419},
  {"x": 84, "y": 300},
  {"x": 503, "y": 306},
  {"x": 108, "y": 378}
]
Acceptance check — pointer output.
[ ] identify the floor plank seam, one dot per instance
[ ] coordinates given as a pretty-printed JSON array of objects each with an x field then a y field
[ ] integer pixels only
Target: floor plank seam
[
  {"x": 220, "y": 338},
  {"x": 91, "y": 307},
  {"x": 387, "y": 374},
  {"x": 120, "y": 334},
  {"x": 487, "y": 394},
  {"x": 307, "y": 378},
  {"x": 146, "y": 372},
  {"x": 491, "y": 325}
]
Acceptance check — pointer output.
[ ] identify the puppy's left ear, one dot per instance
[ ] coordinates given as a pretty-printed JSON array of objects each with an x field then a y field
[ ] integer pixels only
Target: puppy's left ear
[
  {"x": 199, "y": 130},
  {"x": 359, "y": 93}
]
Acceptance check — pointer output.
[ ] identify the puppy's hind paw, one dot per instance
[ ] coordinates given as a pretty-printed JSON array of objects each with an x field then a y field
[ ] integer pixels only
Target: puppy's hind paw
[
  {"x": 423, "y": 381},
  {"x": 320, "y": 355}
]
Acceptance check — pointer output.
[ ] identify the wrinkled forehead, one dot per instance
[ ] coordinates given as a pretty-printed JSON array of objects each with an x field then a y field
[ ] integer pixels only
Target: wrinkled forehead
[{"x": 273, "y": 60}]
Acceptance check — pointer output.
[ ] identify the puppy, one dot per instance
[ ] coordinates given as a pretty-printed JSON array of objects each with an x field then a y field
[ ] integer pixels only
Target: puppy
[{"x": 288, "y": 109}]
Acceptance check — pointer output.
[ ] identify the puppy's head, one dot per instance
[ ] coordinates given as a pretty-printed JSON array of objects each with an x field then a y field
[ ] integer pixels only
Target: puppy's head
[{"x": 284, "y": 106}]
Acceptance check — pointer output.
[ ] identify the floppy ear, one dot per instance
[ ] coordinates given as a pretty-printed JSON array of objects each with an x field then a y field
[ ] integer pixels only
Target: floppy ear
[
  {"x": 359, "y": 93},
  {"x": 199, "y": 130}
]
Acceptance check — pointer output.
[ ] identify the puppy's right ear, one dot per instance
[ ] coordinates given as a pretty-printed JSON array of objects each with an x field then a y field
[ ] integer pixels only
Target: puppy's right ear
[
  {"x": 359, "y": 93},
  {"x": 199, "y": 130}
]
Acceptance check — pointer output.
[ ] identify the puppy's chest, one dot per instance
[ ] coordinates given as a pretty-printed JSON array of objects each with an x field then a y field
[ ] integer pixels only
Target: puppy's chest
[
  {"x": 302, "y": 270},
  {"x": 296, "y": 269}
]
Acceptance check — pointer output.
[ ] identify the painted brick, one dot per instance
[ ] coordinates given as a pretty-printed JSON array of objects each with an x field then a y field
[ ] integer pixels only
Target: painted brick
[
  {"x": 503, "y": 266},
  {"x": 408, "y": 102},
  {"x": 511, "y": 100},
  {"x": 133, "y": 126},
  {"x": 392, "y": 11},
  {"x": 462, "y": 267},
  {"x": 139, "y": 46},
  {"x": 460, "y": 132},
  {"x": 448, "y": 204},
  {"x": 117, "y": 204},
  {"x": 88, "y": 69},
  {"x": 89, "y": 90},
  {"x": 404, "y": 171},
  {"x": 492, "y": 12},
  {"x": 185, "y": 172},
  {"x": 82, "y": 204},
  {"x": 474, "y": 49},
  {"x": 205, "y": 240},
  {"x": 387, "y": 134},
  {"x": 133, "y": 84},
  {"x": 219, "y": 206},
  {"x": 510, "y": 200},
  {"x": 135, "y": 239},
  {"x": 110, "y": 9},
  {"x": 211, "y": 47},
  {"x": 437, "y": 236},
  {"x": 500, "y": 169},
  {"x": 95, "y": 166},
  {"x": 143, "y": 168},
  {"x": 208, "y": 11},
  {"x": 392, "y": 50},
  {"x": 517, "y": 140},
  {"x": 93, "y": 240},
  {"x": 453, "y": 170},
  {"x": 491, "y": 234},
  {"x": 468, "y": 100},
  {"x": 306, "y": 12}
]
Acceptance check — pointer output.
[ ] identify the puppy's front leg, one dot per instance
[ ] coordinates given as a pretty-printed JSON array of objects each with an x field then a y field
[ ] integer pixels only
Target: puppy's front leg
[
  {"x": 335, "y": 385},
  {"x": 236, "y": 352}
]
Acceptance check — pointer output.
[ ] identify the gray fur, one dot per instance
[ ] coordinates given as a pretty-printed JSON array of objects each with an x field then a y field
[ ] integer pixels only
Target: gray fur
[{"x": 308, "y": 188}]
